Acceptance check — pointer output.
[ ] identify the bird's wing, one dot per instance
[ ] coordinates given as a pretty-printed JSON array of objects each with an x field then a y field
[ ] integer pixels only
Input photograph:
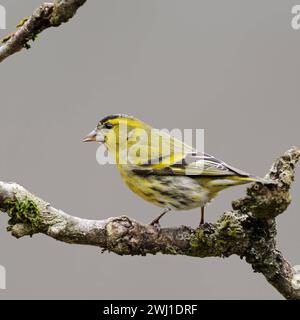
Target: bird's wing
[
  {"x": 157, "y": 152},
  {"x": 204, "y": 164},
  {"x": 177, "y": 158},
  {"x": 192, "y": 164}
]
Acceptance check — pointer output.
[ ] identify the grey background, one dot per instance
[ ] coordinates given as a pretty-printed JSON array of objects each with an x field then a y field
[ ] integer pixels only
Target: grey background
[{"x": 230, "y": 67}]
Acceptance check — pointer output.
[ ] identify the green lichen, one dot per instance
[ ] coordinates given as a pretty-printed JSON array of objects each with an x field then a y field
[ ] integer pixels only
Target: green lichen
[
  {"x": 203, "y": 240},
  {"x": 6, "y": 38},
  {"x": 229, "y": 226},
  {"x": 26, "y": 45},
  {"x": 205, "y": 243},
  {"x": 218, "y": 239},
  {"x": 170, "y": 250},
  {"x": 19, "y": 25},
  {"x": 197, "y": 238},
  {"x": 22, "y": 211},
  {"x": 22, "y": 22},
  {"x": 220, "y": 242},
  {"x": 224, "y": 224},
  {"x": 232, "y": 233}
]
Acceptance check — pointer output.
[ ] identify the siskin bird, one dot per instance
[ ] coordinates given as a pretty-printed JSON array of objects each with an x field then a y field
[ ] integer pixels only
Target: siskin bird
[{"x": 163, "y": 170}]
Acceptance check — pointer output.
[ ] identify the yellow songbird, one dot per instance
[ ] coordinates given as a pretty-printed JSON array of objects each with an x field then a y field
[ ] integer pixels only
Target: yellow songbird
[{"x": 163, "y": 170}]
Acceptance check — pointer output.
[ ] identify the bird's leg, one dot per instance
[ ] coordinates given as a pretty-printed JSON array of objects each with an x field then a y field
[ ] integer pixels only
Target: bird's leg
[
  {"x": 156, "y": 220},
  {"x": 202, "y": 216}
]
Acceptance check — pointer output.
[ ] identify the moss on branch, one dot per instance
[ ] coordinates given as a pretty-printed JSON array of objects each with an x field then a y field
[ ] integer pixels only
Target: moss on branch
[
  {"x": 22, "y": 211},
  {"x": 249, "y": 230}
]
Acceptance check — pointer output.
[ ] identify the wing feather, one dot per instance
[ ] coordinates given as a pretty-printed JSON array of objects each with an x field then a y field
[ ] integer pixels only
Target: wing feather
[{"x": 192, "y": 164}]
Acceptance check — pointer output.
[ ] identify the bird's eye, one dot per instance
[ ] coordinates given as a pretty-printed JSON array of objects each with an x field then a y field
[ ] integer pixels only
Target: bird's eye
[{"x": 108, "y": 125}]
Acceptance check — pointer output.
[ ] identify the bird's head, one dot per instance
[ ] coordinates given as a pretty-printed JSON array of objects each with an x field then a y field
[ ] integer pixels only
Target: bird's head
[
  {"x": 117, "y": 131},
  {"x": 133, "y": 141}
]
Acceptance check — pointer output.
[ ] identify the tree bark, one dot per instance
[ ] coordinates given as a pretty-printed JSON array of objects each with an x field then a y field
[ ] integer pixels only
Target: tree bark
[
  {"x": 248, "y": 230},
  {"x": 45, "y": 16}
]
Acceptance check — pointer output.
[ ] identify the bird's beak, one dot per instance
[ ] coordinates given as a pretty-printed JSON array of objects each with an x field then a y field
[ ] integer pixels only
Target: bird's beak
[{"x": 91, "y": 137}]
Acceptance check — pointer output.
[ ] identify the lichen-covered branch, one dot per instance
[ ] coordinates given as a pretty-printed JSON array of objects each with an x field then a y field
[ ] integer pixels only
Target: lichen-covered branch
[
  {"x": 249, "y": 230},
  {"x": 46, "y": 16}
]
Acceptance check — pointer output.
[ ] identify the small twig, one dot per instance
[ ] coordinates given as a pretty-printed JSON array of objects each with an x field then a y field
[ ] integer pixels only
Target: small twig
[{"x": 46, "y": 16}]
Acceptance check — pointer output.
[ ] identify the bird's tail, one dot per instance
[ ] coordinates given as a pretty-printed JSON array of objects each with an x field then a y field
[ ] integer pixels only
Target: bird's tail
[{"x": 248, "y": 179}]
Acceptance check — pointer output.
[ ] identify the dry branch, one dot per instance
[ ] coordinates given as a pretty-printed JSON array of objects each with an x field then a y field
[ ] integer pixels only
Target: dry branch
[
  {"x": 249, "y": 230},
  {"x": 46, "y": 16}
]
